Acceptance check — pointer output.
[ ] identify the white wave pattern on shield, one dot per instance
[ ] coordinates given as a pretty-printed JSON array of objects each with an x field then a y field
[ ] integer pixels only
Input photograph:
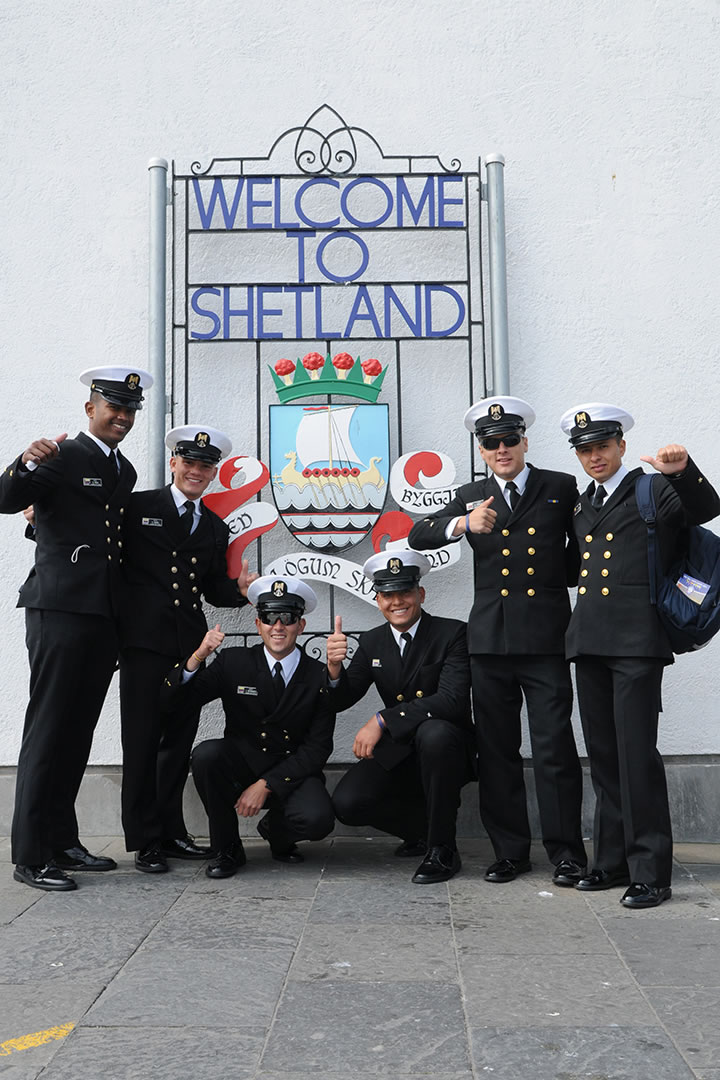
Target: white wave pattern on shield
[{"x": 326, "y": 473}]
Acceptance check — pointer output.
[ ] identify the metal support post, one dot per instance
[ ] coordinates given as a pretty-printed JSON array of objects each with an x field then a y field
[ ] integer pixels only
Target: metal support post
[
  {"x": 495, "y": 165},
  {"x": 156, "y": 404}
]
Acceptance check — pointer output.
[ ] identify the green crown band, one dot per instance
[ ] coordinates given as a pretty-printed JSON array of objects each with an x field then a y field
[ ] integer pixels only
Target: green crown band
[{"x": 328, "y": 382}]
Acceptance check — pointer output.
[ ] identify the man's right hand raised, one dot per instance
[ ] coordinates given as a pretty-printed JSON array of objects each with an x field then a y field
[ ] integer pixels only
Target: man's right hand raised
[
  {"x": 336, "y": 650},
  {"x": 212, "y": 641},
  {"x": 479, "y": 520},
  {"x": 43, "y": 450}
]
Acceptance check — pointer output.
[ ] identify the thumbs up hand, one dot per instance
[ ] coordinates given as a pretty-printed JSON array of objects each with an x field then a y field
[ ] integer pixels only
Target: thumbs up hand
[{"x": 336, "y": 649}]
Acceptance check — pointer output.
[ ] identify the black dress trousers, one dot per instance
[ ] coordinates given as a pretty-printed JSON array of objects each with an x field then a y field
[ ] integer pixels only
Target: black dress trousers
[
  {"x": 156, "y": 752},
  {"x": 72, "y": 659},
  {"x": 620, "y": 698},
  {"x": 498, "y": 685},
  {"x": 418, "y": 798},
  {"x": 221, "y": 774}
]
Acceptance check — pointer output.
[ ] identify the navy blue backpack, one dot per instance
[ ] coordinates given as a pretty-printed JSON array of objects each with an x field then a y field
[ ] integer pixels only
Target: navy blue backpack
[{"x": 688, "y": 623}]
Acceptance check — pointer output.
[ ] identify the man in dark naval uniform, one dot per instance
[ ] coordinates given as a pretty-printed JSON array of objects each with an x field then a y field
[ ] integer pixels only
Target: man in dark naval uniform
[
  {"x": 174, "y": 555},
  {"x": 418, "y": 751},
  {"x": 79, "y": 488},
  {"x": 620, "y": 648},
  {"x": 518, "y": 523},
  {"x": 279, "y": 721}
]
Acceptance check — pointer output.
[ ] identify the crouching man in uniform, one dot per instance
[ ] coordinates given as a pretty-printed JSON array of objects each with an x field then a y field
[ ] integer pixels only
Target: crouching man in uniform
[
  {"x": 416, "y": 753},
  {"x": 279, "y": 717},
  {"x": 175, "y": 552},
  {"x": 620, "y": 649}
]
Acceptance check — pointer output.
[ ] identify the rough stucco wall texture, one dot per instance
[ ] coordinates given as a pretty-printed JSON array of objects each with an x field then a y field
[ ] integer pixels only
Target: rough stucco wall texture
[{"x": 609, "y": 121}]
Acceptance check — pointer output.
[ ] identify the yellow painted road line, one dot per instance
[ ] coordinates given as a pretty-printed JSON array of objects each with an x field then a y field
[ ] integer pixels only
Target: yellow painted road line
[{"x": 26, "y": 1042}]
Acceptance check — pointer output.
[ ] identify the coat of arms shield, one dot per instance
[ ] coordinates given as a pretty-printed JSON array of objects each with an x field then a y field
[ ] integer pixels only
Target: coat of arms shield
[{"x": 329, "y": 466}]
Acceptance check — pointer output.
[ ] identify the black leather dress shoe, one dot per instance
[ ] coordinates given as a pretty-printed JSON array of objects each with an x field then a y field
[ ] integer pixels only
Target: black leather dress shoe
[
  {"x": 602, "y": 879},
  {"x": 79, "y": 858},
  {"x": 568, "y": 873},
  {"x": 151, "y": 861},
  {"x": 287, "y": 853},
  {"x": 185, "y": 848},
  {"x": 507, "y": 870},
  {"x": 411, "y": 849},
  {"x": 440, "y": 864},
  {"x": 227, "y": 863},
  {"x": 47, "y": 877},
  {"x": 642, "y": 896}
]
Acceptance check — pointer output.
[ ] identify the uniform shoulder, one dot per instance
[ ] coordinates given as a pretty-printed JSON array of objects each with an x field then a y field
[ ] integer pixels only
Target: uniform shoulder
[
  {"x": 554, "y": 476},
  {"x": 448, "y": 626}
]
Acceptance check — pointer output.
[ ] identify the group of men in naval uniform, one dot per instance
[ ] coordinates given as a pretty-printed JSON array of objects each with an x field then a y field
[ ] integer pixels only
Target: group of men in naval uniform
[
  {"x": 104, "y": 554},
  {"x": 532, "y": 536}
]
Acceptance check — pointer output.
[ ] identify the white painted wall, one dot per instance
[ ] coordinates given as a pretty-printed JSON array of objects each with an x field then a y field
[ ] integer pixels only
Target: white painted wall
[{"x": 609, "y": 118}]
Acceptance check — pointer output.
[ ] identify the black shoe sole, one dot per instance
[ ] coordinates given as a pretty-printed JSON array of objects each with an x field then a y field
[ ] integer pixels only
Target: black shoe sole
[
  {"x": 152, "y": 869},
  {"x": 70, "y": 886}
]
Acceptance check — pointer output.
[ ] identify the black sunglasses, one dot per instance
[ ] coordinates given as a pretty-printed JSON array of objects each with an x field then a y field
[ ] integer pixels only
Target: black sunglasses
[
  {"x": 287, "y": 618},
  {"x": 491, "y": 442}
]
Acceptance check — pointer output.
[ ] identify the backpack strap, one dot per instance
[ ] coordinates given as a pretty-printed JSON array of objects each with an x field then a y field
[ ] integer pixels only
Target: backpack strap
[{"x": 646, "y": 505}]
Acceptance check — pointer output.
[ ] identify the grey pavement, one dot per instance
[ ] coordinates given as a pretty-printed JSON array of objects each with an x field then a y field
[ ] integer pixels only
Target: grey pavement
[{"x": 341, "y": 968}]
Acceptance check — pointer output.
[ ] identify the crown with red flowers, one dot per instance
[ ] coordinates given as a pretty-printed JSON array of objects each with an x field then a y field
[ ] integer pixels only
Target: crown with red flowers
[{"x": 316, "y": 374}]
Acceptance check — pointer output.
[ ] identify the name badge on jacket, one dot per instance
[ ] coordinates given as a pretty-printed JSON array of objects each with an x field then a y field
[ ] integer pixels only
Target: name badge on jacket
[
  {"x": 152, "y": 521},
  {"x": 92, "y": 481},
  {"x": 473, "y": 505},
  {"x": 248, "y": 691},
  {"x": 376, "y": 663}
]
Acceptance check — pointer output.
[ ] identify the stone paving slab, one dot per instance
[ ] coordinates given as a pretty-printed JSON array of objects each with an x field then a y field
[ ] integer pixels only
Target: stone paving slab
[
  {"x": 183, "y": 987},
  {"x": 341, "y": 968},
  {"x": 385, "y": 901},
  {"x": 681, "y": 953},
  {"x": 170, "y": 1053},
  {"x": 551, "y": 991},
  {"x": 692, "y": 1018},
  {"x": 379, "y": 1028},
  {"x": 597, "y": 1053},
  {"x": 372, "y": 952}
]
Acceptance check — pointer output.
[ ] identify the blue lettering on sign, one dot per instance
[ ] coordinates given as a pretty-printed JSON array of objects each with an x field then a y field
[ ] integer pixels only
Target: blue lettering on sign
[
  {"x": 371, "y": 312},
  {"x": 263, "y": 313},
  {"x": 362, "y": 297},
  {"x": 444, "y": 200},
  {"x": 242, "y": 313},
  {"x": 362, "y": 180},
  {"x": 391, "y": 298},
  {"x": 205, "y": 314},
  {"x": 252, "y": 202},
  {"x": 402, "y": 204},
  {"x": 298, "y": 203},
  {"x": 218, "y": 195},
  {"x": 429, "y": 331},
  {"x": 416, "y": 209},
  {"x": 342, "y": 278}
]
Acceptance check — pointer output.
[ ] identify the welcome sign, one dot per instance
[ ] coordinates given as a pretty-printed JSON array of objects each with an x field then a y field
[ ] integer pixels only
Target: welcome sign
[{"x": 328, "y": 313}]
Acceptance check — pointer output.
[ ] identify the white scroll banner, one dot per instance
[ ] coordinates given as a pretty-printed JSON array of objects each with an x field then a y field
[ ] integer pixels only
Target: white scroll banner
[
  {"x": 249, "y": 517},
  {"x": 344, "y": 574},
  {"x": 423, "y": 481}
]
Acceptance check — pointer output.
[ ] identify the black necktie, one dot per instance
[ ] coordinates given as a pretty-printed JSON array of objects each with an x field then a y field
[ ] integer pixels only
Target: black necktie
[
  {"x": 278, "y": 681},
  {"x": 599, "y": 497},
  {"x": 407, "y": 638},
  {"x": 511, "y": 486},
  {"x": 186, "y": 519},
  {"x": 116, "y": 458}
]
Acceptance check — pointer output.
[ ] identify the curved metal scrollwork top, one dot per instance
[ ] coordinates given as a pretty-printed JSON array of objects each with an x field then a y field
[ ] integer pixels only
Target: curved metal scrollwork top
[
  {"x": 315, "y": 646},
  {"x": 325, "y": 145}
]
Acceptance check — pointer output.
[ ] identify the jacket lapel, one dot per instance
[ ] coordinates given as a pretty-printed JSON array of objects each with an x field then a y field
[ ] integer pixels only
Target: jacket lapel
[
  {"x": 417, "y": 652},
  {"x": 626, "y": 485}
]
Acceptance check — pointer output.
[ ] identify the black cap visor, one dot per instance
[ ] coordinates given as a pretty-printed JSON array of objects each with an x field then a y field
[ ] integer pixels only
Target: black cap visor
[{"x": 595, "y": 431}]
